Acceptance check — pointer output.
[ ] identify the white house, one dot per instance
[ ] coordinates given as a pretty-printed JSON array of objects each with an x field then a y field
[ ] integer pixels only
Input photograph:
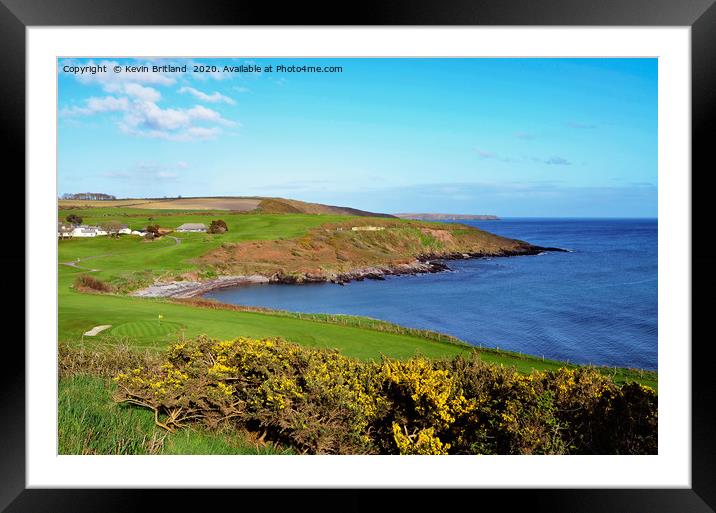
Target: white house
[
  {"x": 191, "y": 227},
  {"x": 85, "y": 231}
]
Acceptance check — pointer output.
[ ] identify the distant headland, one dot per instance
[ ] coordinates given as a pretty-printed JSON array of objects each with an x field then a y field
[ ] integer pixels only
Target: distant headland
[{"x": 448, "y": 217}]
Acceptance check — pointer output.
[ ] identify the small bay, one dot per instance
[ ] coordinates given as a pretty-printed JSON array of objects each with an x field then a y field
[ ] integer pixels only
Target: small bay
[{"x": 596, "y": 304}]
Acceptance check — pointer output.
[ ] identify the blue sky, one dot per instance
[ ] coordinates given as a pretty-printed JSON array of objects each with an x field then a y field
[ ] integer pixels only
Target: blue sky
[{"x": 511, "y": 137}]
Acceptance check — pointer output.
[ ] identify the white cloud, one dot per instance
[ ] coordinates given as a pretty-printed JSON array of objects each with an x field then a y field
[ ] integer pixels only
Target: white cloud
[
  {"x": 108, "y": 103},
  {"x": 142, "y": 171},
  {"x": 134, "y": 95},
  {"x": 143, "y": 117},
  {"x": 215, "y": 97},
  {"x": 147, "y": 119},
  {"x": 202, "y": 113},
  {"x": 94, "y": 105},
  {"x": 147, "y": 94},
  {"x": 485, "y": 154},
  {"x": 557, "y": 161},
  {"x": 199, "y": 112},
  {"x": 200, "y": 132},
  {"x": 150, "y": 115},
  {"x": 191, "y": 133}
]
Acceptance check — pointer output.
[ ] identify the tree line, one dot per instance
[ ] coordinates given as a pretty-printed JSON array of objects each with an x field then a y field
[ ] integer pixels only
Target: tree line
[{"x": 88, "y": 196}]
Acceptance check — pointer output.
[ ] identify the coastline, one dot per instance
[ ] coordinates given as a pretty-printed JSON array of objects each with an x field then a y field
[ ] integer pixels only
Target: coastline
[{"x": 432, "y": 263}]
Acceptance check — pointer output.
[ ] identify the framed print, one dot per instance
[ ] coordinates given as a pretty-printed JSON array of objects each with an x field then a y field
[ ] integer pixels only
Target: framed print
[{"x": 443, "y": 248}]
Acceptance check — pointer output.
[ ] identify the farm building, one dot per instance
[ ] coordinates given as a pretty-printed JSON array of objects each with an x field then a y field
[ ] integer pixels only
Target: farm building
[
  {"x": 87, "y": 231},
  {"x": 191, "y": 227},
  {"x": 368, "y": 228},
  {"x": 82, "y": 230}
]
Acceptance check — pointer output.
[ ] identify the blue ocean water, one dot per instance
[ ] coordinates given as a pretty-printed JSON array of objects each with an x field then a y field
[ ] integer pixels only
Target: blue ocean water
[{"x": 596, "y": 304}]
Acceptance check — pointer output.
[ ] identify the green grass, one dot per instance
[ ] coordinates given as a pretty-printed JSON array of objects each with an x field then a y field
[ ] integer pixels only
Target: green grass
[
  {"x": 145, "y": 329},
  {"x": 90, "y": 422},
  {"x": 80, "y": 312},
  {"x": 135, "y": 320},
  {"x": 242, "y": 226},
  {"x": 118, "y": 259}
]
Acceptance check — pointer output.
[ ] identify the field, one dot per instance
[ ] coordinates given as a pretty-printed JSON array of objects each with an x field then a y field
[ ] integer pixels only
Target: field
[
  {"x": 230, "y": 203},
  {"x": 130, "y": 262},
  {"x": 235, "y": 204},
  {"x": 78, "y": 203},
  {"x": 116, "y": 259}
]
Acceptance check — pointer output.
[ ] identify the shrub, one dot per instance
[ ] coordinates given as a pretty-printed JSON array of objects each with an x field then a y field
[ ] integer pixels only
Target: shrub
[
  {"x": 311, "y": 399},
  {"x": 74, "y": 219},
  {"x": 125, "y": 282},
  {"x": 218, "y": 226},
  {"x": 102, "y": 361},
  {"x": 321, "y": 402},
  {"x": 87, "y": 283},
  {"x": 422, "y": 403}
]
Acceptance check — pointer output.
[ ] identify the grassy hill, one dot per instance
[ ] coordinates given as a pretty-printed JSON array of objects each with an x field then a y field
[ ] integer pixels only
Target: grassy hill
[{"x": 345, "y": 246}]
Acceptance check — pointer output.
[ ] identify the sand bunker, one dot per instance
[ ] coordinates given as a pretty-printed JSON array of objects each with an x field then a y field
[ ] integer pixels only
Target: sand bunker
[{"x": 97, "y": 329}]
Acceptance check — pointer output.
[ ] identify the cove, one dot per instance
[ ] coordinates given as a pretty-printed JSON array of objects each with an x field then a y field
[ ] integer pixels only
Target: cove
[{"x": 596, "y": 304}]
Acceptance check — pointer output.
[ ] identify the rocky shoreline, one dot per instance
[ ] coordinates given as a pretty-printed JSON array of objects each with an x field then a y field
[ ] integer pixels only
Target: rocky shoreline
[
  {"x": 188, "y": 289},
  {"x": 423, "y": 264}
]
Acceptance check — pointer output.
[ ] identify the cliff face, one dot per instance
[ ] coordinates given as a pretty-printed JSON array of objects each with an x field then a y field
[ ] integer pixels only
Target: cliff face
[{"x": 364, "y": 248}]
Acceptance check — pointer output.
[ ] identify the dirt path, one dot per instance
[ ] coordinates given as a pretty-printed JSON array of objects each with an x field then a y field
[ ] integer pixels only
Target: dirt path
[{"x": 74, "y": 263}]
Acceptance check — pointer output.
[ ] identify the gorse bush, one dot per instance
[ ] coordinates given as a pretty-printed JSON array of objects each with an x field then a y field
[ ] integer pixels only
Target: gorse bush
[
  {"x": 321, "y": 402},
  {"x": 318, "y": 401},
  {"x": 102, "y": 361},
  {"x": 86, "y": 283}
]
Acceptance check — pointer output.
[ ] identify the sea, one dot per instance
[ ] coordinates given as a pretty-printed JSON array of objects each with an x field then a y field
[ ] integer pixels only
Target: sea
[{"x": 596, "y": 304}]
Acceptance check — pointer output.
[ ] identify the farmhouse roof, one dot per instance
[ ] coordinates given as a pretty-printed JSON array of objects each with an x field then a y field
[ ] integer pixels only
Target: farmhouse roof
[{"x": 192, "y": 226}]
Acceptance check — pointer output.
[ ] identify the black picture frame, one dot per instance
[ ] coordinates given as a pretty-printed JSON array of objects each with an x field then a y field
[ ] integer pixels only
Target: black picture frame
[{"x": 700, "y": 15}]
